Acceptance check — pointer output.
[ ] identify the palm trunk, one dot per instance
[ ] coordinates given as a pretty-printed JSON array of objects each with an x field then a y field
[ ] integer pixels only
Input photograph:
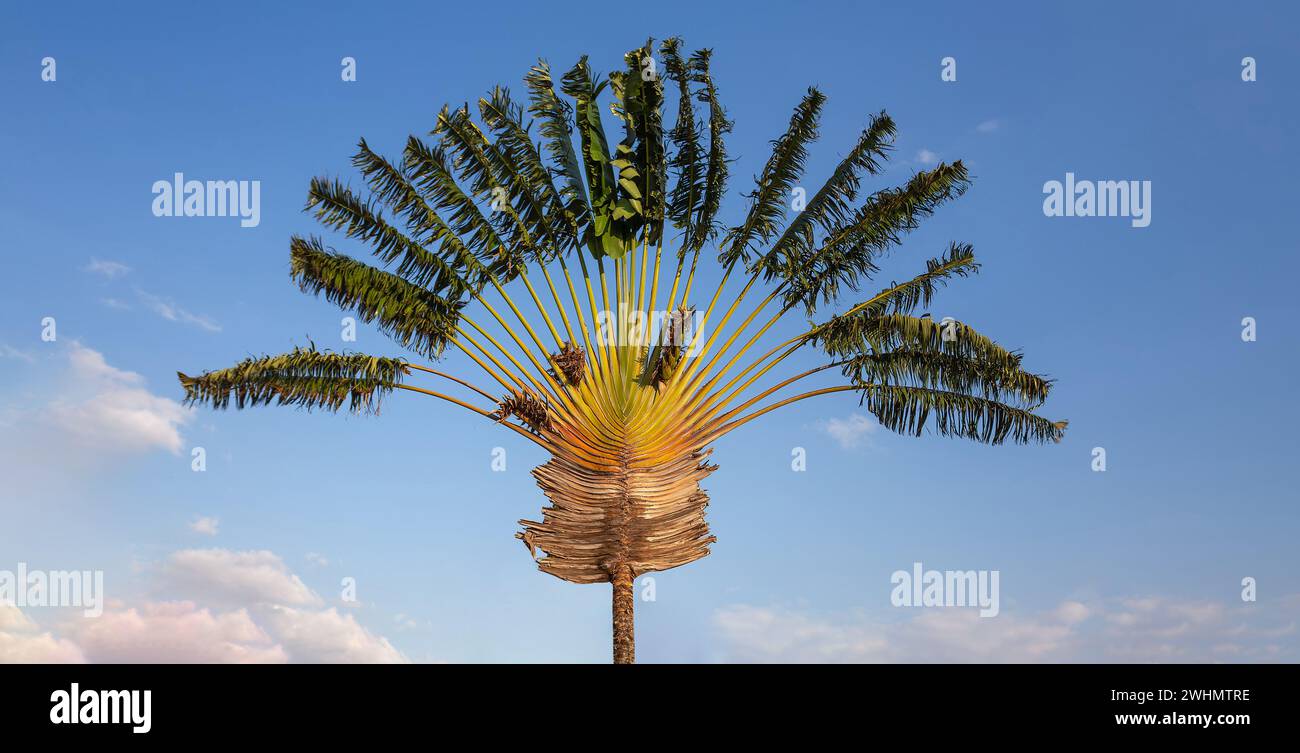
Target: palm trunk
[
  {"x": 614, "y": 524},
  {"x": 624, "y": 603}
]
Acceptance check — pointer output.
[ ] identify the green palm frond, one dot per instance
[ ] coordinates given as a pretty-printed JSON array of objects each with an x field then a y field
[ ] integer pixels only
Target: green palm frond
[
  {"x": 428, "y": 227},
  {"x": 776, "y": 183},
  {"x": 908, "y": 410},
  {"x": 925, "y": 368},
  {"x": 639, "y": 92},
  {"x": 414, "y": 317},
  {"x": 395, "y": 189},
  {"x": 849, "y": 253},
  {"x": 858, "y": 333},
  {"x": 518, "y": 168},
  {"x": 557, "y": 117},
  {"x": 517, "y": 218},
  {"x": 522, "y": 158},
  {"x": 338, "y": 208},
  {"x": 918, "y": 292},
  {"x": 715, "y": 181},
  {"x": 689, "y": 161},
  {"x": 306, "y": 378},
  {"x": 430, "y": 170},
  {"x": 832, "y": 205},
  {"x": 604, "y": 236}
]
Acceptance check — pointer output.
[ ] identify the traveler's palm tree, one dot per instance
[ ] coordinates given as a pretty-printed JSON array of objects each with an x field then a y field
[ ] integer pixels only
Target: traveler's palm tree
[{"x": 627, "y": 376}]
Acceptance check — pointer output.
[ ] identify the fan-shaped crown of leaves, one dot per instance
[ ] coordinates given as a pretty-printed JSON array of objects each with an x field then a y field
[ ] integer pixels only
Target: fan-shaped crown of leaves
[{"x": 554, "y": 244}]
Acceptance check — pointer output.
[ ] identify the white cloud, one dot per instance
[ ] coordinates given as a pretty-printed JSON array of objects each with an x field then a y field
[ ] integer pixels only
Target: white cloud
[
  {"x": 756, "y": 634},
  {"x": 989, "y": 126},
  {"x": 205, "y": 526},
  {"x": 927, "y": 157},
  {"x": 329, "y": 637},
  {"x": 22, "y": 642},
  {"x": 104, "y": 268},
  {"x": 167, "y": 309},
  {"x": 110, "y": 408},
  {"x": 175, "y": 632},
  {"x": 1130, "y": 630},
  {"x": 849, "y": 432},
  {"x": 266, "y": 615},
  {"x": 91, "y": 365},
  {"x": 225, "y": 576},
  {"x": 1071, "y": 612},
  {"x": 317, "y": 559}
]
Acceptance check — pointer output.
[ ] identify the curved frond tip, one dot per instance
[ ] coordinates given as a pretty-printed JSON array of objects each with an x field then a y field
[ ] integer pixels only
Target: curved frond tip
[
  {"x": 304, "y": 377},
  {"x": 909, "y": 410},
  {"x": 415, "y": 317}
]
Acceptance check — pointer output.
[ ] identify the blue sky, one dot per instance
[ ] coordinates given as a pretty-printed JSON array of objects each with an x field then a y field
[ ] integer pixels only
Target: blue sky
[{"x": 1141, "y": 328}]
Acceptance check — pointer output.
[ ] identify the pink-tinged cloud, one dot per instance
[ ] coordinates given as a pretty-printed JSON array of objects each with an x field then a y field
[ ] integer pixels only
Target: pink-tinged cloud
[
  {"x": 175, "y": 632},
  {"x": 223, "y": 576},
  {"x": 23, "y": 642},
  {"x": 1107, "y": 630},
  {"x": 239, "y": 608},
  {"x": 330, "y": 637}
]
